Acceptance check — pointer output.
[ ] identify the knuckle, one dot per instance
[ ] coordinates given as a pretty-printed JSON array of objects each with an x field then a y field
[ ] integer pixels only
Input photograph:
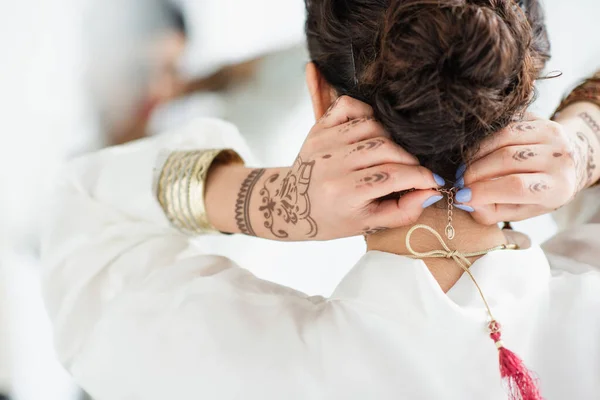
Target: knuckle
[
  {"x": 517, "y": 185},
  {"x": 506, "y": 155},
  {"x": 563, "y": 147},
  {"x": 407, "y": 217},
  {"x": 424, "y": 173},
  {"x": 555, "y": 129},
  {"x": 387, "y": 144},
  {"x": 391, "y": 171},
  {"x": 371, "y": 125},
  {"x": 567, "y": 181},
  {"x": 344, "y": 102}
]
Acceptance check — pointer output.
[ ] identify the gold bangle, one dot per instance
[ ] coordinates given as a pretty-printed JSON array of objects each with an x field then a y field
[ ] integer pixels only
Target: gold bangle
[{"x": 182, "y": 184}]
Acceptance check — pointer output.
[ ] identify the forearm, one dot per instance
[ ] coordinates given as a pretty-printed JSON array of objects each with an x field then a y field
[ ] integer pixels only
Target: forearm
[
  {"x": 268, "y": 203},
  {"x": 232, "y": 198},
  {"x": 582, "y": 122}
]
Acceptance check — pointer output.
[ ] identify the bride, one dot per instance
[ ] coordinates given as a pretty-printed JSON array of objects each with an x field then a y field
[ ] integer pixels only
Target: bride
[{"x": 422, "y": 144}]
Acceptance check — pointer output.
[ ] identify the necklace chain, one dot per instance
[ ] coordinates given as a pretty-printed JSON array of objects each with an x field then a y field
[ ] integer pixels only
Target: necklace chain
[{"x": 450, "y": 231}]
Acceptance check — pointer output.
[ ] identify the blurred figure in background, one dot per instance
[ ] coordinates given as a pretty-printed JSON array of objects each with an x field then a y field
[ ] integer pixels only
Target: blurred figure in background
[{"x": 220, "y": 59}]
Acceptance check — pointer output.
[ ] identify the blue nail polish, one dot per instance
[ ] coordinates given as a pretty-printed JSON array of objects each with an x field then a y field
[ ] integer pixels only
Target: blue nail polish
[
  {"x": 439, "y": 180},
  {"x": 461, "y": 170},
  {"x": 464, "y": 208},
  {"x": 432, "y": 200},
  {"x": 463, "y": 195},
  {"x": 460, "y": 183}
]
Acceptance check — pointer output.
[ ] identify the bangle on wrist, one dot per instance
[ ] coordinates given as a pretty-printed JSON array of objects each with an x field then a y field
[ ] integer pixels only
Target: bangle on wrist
[{"x": 182, "y": 184}]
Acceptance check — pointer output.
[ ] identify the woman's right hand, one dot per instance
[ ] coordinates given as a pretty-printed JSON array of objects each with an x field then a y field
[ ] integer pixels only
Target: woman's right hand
[{"x": 335, "y": 188}]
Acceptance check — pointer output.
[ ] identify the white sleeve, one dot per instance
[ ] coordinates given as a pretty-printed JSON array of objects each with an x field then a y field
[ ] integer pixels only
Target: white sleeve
[
  {"x": 117, "y": 277},
  {"x": 578, "y": 238}
]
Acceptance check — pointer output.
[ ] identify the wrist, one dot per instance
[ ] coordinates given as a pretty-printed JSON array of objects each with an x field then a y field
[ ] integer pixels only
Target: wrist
[
  {"x": 222, "y": 186},
  {"x": 581, "y": 122},
  {"x": 233, "y": 199}
]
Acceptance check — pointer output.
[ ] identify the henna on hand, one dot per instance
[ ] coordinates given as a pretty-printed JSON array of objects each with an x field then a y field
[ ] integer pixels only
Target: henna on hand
[
  {"x": 329, "y": 110},
  {"x": 370, "y": 145},
  {"x": 347, "y": 127},
  {"x": 524, "y": 127},
  {"x": 587, "y": 164},
  {"x": 589, "y": 120},
  {"x": 242, "y": 205},
  {"x": 286, "y": 204},
  {"x": 579, "y": 155},
  {"x": 373, "y": 231},
  {"x": 538, "y": 187},
  {"x": 378, "y": 177},
  {"x": 523, "y": 155}
]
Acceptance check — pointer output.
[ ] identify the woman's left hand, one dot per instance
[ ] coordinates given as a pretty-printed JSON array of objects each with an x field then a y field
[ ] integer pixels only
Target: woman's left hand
[{"x": 528, "y": 169}]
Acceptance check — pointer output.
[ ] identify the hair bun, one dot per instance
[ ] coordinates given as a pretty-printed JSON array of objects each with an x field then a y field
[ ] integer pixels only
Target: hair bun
[
  {"x": 451, "y": 66},
  {"x": 441, "y": 75}
]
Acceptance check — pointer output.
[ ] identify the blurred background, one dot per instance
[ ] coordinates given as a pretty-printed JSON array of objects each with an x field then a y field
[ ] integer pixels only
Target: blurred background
[{"x": 78, "y": 75}]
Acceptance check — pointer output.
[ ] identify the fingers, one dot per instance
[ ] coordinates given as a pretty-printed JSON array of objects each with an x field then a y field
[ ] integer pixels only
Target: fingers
[
  {"x": 521, "y": 133},
  {"x": 376, "y": 182},
  {"x": 495, "y": 213},
  {"x": 345, "y": 109},
  {"x": 373, "y": 152},
  {"x": 358, "y": 130},
  {"x": 395, "y": 213},
  {"x": 511, "y": 160},
  {"x": 514, "y": 189}
]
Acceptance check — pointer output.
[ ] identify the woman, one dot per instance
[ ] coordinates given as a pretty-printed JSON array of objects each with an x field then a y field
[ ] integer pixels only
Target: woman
[{"x": 141, "y": 311}]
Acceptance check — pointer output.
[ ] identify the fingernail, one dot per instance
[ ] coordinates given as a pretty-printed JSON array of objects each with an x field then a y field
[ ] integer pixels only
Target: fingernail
[
  {"x": 463, "y": 195},
  {"x": 439, "y": 180},
  {"x": 464, "y": 208},
  {"x": 460, "y": 183},
  {"x": 432, "y": 200},
  {"x": 461, "y": 170}
]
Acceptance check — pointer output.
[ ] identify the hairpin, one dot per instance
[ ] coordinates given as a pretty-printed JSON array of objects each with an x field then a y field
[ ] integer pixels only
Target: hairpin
[{"x": 353, "y": 63}]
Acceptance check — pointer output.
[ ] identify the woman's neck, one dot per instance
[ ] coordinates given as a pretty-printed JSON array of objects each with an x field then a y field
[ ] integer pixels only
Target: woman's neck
[{"x": 470, "y": 237}]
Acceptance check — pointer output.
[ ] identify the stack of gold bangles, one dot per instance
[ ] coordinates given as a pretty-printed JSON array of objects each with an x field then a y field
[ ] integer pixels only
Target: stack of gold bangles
[{"x": 182, "y": 184}]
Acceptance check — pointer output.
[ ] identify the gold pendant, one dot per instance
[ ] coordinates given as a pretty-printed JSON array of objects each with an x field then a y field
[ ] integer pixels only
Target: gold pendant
[{"x": 450, "y": 232}]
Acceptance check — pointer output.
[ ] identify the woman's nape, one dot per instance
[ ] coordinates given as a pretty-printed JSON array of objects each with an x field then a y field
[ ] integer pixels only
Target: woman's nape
[
  {"x": 471, "y": 236},
  {"x": 441, "y": 77}
]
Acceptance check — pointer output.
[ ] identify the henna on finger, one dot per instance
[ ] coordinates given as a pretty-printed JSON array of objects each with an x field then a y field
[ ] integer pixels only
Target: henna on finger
[
  {"x": 524, "y": 155},
  {"x": 524, "y": 127},
  {"x": 373, "y": 231},
  {"x": 370, "y": 145},
  {"x": 347, "y": 127},
  {"x": 378, "y": 177},
  {"x": 538, "y": 187}
]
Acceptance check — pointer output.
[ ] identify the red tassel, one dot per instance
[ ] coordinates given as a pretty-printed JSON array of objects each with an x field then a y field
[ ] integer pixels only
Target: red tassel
[{"x": 520, "y": 382}]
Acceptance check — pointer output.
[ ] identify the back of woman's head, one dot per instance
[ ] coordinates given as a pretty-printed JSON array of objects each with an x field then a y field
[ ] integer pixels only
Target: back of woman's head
[{"x": 441, "y": 75}]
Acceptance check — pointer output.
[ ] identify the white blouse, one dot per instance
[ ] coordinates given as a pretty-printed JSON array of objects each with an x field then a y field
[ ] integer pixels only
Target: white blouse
[{"x": 141, "y": 311}]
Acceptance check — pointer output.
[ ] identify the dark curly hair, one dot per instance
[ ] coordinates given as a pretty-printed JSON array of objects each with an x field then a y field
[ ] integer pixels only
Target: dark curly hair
[{"x": 441, "y": 75}]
